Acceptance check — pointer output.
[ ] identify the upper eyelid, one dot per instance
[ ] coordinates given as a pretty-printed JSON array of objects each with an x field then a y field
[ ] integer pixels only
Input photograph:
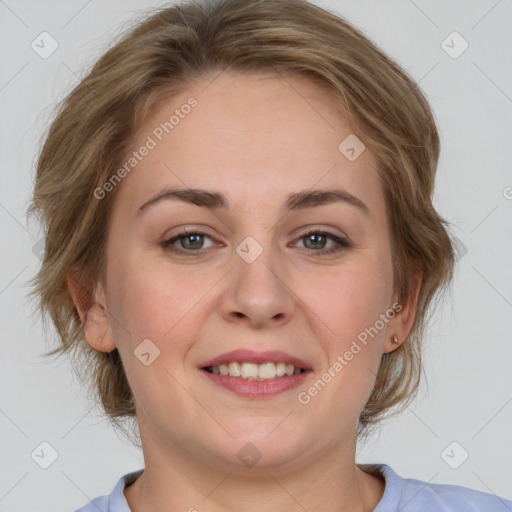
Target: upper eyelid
[{"x": 204, "y": 231}]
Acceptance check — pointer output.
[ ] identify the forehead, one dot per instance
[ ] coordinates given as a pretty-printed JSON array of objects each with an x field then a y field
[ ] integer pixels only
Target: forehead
[{"x": 252, "y": 136}]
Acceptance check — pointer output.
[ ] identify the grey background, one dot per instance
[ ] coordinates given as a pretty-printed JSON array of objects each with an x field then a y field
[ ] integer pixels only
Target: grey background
[{"x": 468, "y": 352}]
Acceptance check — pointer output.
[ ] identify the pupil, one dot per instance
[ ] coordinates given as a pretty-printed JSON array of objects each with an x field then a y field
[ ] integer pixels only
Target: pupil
[
  {"x": 315, "y": 238},
  {"x": 194, "y": 238}
]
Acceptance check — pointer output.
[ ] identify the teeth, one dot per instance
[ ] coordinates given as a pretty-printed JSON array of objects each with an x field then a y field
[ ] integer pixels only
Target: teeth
[
  {"x": 252, "y": 371},
  {"x": 280, "y": 369},
  {"x": 267, "y": 371},
  {"x": 248, "y": 371},
  {"x": 234, "y": 369}
]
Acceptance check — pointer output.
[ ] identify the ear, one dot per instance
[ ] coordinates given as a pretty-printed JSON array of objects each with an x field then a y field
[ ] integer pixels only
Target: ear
[
  {"x": 91, "y": 307},
  {"x": 401, "y": 324}
]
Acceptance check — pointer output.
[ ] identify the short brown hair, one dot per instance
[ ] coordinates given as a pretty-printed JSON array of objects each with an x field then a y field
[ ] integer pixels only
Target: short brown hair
[{"x": 176, "y": 45}]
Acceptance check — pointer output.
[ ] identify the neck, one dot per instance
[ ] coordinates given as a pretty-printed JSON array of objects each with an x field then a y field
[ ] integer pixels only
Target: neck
[{"x": 174, "y": 479}]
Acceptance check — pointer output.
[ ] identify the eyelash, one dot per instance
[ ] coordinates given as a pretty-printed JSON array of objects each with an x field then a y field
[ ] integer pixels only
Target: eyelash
[{"x": 342, "y": 244}]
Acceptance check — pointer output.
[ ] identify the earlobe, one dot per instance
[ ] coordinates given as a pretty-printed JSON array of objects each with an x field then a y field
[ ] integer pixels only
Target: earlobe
[
  {"x": 402, "y": 323},
  {"x": 92, "y": 312}
]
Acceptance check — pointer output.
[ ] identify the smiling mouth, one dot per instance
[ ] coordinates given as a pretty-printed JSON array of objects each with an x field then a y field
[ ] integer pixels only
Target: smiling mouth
[{"x": 254, "y": 371}]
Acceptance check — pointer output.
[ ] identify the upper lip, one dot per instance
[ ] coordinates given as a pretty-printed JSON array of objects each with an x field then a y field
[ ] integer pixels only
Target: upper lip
[{"x": 252, "y": 356}]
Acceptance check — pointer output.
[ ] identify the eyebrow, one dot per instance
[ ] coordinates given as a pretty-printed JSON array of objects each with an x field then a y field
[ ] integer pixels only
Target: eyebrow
[{"x": 297, "y": 201}]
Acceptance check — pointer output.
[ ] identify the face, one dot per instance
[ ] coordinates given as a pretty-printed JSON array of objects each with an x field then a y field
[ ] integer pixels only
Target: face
[{"x": 269, "y": 271}]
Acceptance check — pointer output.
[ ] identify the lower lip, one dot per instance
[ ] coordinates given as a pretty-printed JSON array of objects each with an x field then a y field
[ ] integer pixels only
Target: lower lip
[{"x": 257, "y": 388}]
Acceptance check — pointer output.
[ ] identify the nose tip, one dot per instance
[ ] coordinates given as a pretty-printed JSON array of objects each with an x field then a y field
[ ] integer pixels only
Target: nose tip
[{"x": 257, "y": 294}]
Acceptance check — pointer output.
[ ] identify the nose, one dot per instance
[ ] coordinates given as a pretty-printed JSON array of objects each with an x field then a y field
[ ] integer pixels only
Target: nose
[{"x": 258, "y": 294}]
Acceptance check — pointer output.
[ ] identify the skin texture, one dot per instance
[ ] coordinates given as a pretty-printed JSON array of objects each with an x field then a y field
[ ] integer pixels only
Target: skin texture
[{"x": 255, "y": 138}]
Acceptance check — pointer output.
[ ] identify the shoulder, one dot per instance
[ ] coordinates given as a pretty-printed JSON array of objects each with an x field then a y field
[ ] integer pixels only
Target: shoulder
[
  {"x": 99, "y": 504},
  {"x": 115, "y": 501},
  {"x": 411, "y": 495},
  {"x": 444, "y": 497}
]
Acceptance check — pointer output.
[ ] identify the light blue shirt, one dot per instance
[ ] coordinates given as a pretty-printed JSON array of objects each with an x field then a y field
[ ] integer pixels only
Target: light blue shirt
[{"x": 400, "y": 495}]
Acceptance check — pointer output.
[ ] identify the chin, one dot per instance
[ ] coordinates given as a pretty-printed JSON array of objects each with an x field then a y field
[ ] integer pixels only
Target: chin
[{"x": 262, "y": 444}]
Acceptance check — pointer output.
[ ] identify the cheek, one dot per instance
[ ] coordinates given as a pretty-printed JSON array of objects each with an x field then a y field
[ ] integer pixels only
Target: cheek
[
  {"x": 350, "y": 307},
  {"x": 144, "y": 302},
  {"x": 147, "y": 303},
  {"x": 348, "y": 301},
  {"x": 150, "y": 298}
]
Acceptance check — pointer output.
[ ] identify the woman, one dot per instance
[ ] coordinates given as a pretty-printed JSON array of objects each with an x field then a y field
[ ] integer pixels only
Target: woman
[{"x": 242, "y": 249}]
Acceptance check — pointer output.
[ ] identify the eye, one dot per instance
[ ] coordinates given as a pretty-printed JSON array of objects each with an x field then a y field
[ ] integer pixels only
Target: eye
[
  {"x": 316, "y": 241},
  {"x": 190, "y": 242}
]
